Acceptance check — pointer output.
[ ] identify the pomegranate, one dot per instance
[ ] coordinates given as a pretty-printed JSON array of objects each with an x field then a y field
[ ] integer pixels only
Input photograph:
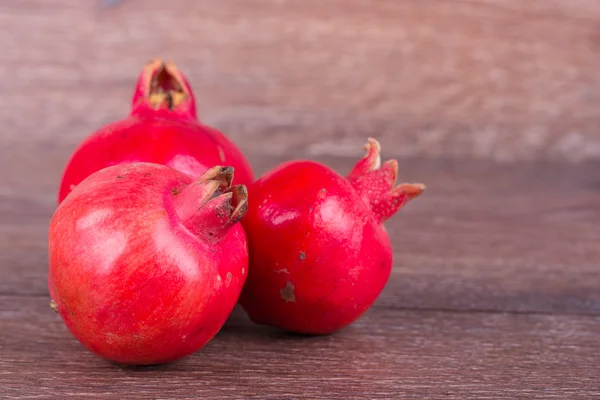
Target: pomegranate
[
  {"x": 319, "y": 253},
  {"x": 146, "y": 264},
  {"x": 161, "y": 128}
]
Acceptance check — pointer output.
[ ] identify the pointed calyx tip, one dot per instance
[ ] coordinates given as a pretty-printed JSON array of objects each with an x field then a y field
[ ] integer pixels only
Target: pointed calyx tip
[
  {"x": 373, "y": 156},
  {"x": 410, "y": 190},
  {"x": 224, "y": 175},
  {"x": 239, "y": 201},
  {"x": 375, "y": 182}
]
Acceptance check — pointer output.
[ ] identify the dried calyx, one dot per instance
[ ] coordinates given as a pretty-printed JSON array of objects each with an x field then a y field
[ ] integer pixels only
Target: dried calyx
[
  {"x": 165, "y": 88},
  {"x": 210, "y": 205}
]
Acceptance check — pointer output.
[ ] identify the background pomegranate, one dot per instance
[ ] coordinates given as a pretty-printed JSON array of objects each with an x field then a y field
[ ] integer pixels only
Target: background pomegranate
[
  {"x": 146, "y": 264},
  {"x": 162, "y": 128},
  {"x": 319, "y": 253}
]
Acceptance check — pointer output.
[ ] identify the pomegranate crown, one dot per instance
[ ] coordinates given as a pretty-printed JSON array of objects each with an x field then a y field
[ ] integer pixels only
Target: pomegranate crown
[
  {"x": 162, "y": 88},
  {"x": 209, "y": 206},
  {"x": 376, "y": 183}
]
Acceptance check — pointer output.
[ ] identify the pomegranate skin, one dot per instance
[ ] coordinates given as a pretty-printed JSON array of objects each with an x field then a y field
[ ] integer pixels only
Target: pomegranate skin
[
  {"x": 145, "y": 263},
  {"x": 162, "y": 128},
  {"x": 319, "y": 252}
]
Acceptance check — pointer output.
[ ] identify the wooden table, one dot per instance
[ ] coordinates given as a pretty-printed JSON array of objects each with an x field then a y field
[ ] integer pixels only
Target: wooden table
[{"x": 495, "y": 291}]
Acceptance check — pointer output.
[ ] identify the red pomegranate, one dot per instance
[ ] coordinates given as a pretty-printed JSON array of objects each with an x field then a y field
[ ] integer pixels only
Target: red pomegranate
[
  {"x": 146, "y": 264},
  {"x": 161, "y": 128},
  {"x": 319, "y": 253}
]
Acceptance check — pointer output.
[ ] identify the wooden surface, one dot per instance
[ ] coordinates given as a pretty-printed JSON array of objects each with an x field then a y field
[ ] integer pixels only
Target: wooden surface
[{"x": 494, "y": 104}]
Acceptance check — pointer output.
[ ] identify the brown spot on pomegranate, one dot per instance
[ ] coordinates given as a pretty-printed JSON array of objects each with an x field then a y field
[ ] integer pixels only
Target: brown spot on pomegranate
[{"x": 287, "y": 293}]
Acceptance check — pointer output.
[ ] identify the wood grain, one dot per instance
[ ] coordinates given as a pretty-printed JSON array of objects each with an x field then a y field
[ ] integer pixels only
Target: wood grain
[
  {"x": 389, "y": 354},
  {"x": 503, "y": 80}
]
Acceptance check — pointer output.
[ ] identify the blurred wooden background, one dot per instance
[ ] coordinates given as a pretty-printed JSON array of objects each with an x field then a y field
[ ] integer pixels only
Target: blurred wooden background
[
  {"x": 494, "y": 104},
  {"x": 504, "y": 80}
]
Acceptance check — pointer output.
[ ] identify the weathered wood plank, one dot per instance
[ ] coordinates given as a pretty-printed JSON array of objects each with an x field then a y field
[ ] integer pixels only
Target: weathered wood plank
[
  {"x": 388, "y": 354},
  {"x": 503, "y": 80}
]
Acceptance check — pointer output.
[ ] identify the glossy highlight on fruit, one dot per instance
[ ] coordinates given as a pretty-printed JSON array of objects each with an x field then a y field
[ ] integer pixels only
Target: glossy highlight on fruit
[
  {"x": 319, "y": 253},
  {"x": 162, "y": 128},
  {"x": 146, "y": 263}
]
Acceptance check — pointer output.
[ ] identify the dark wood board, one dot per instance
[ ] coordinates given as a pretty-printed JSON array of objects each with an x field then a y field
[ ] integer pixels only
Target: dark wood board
[{"x": 389, "y": 354}]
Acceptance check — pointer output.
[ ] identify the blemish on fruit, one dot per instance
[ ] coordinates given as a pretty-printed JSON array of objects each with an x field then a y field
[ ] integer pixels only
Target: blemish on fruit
[
  {"x": 221, "y": 154},
  {"x": 120, "y": 177},
  {"x": 228, "y": 278},
  {"x": 302, "y": 255},
  {"x": 282, "y": 271},
  {"x": 287, "y": 293},
  {"x": 53, "y": 306},
  {"x": 175, "y": 191}
]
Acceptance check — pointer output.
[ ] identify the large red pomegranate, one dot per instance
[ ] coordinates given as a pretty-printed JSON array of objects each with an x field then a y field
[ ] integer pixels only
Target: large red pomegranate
[
  {"x": 319, "y": 252},
  {"x": 146, "y": 264},
  {"x": 162, "y": 128}
]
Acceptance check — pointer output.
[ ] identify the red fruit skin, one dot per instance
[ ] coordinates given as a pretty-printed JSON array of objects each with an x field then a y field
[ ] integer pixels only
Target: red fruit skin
[
  {"x": 162, "y": 128},
  {"x": 145, "y": 263},
  {"x": 319, "y": 253}
]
